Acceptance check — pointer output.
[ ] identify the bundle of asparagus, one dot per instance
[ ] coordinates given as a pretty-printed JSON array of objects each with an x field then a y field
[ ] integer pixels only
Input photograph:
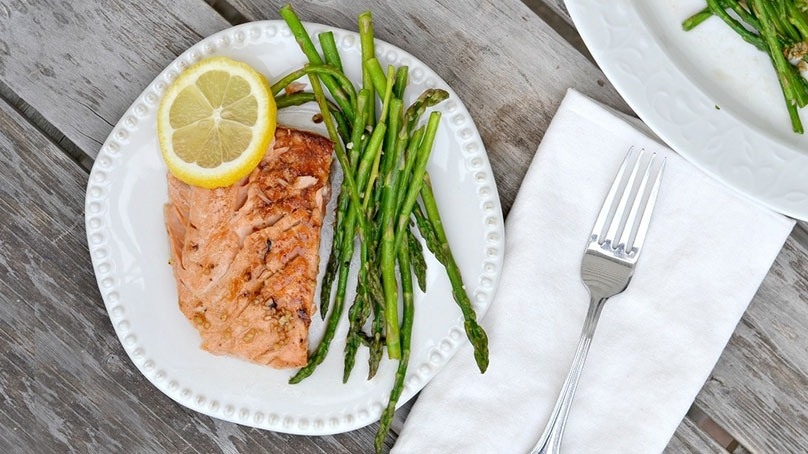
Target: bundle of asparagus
[
  {"x": 385, "y": 195},
  {"x": 777, "y": 27}
]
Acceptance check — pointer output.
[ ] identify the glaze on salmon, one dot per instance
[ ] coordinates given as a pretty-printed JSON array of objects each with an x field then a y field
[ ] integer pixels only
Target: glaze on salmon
[{"x": 245, "y": 257}]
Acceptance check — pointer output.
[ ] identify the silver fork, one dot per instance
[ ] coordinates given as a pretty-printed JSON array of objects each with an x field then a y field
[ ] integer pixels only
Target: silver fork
[{"x": 608, "y": 263}]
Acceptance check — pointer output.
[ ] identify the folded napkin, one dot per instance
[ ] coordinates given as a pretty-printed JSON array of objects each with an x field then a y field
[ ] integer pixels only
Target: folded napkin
[{"x": 706, "y": 253}]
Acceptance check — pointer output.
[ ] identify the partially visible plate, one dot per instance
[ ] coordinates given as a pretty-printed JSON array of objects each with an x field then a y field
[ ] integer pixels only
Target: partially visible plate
[
  {"x": 708, "y": 94},
  {"x": 129, "y": 248}
]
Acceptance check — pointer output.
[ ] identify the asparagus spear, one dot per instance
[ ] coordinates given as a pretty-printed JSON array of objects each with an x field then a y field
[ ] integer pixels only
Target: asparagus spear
[
  {"x": 780, "y": 62},
  {"x": 300, "y": 98},
  {"x": 366, "y": 41},
  {"x": 361, "y": 308},
  {"x": 475, "y": 332},
  {"x": 408, "y": 315},
  {"x": 369, "y": 160},
  {"x": 322, "y": 70},
  {"x": 333, "y": 263},
  {"x": 718, "y": 9},
  {"x": 401, "y": 82},
  {"x": 693, "y": 21},
  {"x": 416, "y": 252},
  {"x": 307, "y": 46},
  {"x": 330, "y": 52},
  {"x": 428, "y": 233},
  {"x": 416, "y": 181}
]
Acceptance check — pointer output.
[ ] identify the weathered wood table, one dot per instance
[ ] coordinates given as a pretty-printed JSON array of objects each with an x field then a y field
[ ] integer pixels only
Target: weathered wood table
[{"x": 68, "y": 70}]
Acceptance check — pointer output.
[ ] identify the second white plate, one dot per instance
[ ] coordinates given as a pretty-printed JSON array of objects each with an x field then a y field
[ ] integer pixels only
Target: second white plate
[{"x": 708, "y": 94}]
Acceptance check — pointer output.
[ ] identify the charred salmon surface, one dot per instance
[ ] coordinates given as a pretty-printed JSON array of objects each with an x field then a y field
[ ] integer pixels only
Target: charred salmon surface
[{"x": 246, "y": 257}]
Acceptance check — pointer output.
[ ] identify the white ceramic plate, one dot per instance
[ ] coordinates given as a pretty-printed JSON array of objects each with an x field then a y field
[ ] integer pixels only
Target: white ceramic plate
[
  {"x": 709, "y": 95},
  {"x": 129, "y": 249}
]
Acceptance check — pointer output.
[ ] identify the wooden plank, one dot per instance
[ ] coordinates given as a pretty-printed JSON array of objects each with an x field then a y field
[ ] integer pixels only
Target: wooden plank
[
  {"x": 690, "y": 439},
  {"x": 508, "y": 66},
  {"x": 81, "y": 64},
  {"x": 757, "y": 390},
  {"x": 66, "y": 383}
]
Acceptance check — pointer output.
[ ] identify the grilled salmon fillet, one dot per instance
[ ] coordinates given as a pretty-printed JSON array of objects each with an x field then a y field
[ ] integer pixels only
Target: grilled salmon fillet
[{"x": 245, "y": 257}]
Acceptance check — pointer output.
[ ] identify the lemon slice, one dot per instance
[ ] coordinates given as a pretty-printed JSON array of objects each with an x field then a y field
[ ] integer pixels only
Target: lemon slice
[{"x": 215, "y": 122}]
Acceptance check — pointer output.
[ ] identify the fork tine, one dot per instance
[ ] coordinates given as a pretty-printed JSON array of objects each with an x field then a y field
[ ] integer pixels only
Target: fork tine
[
  {"x": 618, "y": 222},
  {"x": 639, "y": 197},
  {"x": 611, "y": 202},
  {"x": 642, "y": 227}
]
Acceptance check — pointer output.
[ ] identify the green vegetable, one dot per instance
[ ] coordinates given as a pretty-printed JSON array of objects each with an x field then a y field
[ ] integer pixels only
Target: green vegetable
[
  {"x": 303, "y": 39},
  {"x": 475, "y": 332},
  {"x": 383, "y": 156},
  {"x": 777, "y": 27},
  {"x": 408, "y": 315}
]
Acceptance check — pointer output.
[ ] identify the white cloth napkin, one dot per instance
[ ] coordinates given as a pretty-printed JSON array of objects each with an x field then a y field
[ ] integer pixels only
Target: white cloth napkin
[{"x": 706, "y": 252}]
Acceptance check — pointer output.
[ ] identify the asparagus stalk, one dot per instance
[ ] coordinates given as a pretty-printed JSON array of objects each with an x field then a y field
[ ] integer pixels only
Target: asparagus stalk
[
  {"x": 384, "y": 170},
  {"x": 369, "y": 160},
  {"x": 366, "y": 41},
  {"x": 330, "y": 52},
  {"x": 300, "y": 98},
  {"x": 394, "y": 233},
  {"x": 417, "y": 178},
  {"x": 416, "y": 252},
  {"x": 718, "y": 9},
  {"x": 333, "y": 263},
  {"x": 321, "y": 70},
  {"x": 390, "y": 287},
  {"x": 339, "y": 150},
  {"x": 307, "y": 46},
  {"x": 428, "y": 98},
  {"x": 377, "y": 340},
  {"x": 474, "y": 332},
  {"x": 780, "y": 62},
  {"x": 366, "y": 284},
  {"x": 428, "y": 233},
  {"x": 401, "y": 82},
  {"x": 693, "y": 21},
  {"x": 408, "y": 315},
  {"x": 376, "y": 73}
]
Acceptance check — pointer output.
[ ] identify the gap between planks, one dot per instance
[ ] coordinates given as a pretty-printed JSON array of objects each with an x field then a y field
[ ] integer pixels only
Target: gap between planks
[
  {"x": 227, "y": 11},
  {"x": 557, "y": 18},
  {"x": 33, "y": 117}
]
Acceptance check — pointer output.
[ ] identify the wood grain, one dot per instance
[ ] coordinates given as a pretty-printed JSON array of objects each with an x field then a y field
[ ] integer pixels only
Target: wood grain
[
  {"x": 689, "y": 439},
  {"x": 66, "y": 384},
  {"x": 81, "y": 64},
  {"x": 757, "y": 390},
  {"x": 509, "y": 68},
  {"x": 74, "y": 68}
]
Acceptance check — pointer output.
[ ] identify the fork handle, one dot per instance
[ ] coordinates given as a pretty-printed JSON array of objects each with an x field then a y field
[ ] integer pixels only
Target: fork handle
[{"x": 550, "y": 441}]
